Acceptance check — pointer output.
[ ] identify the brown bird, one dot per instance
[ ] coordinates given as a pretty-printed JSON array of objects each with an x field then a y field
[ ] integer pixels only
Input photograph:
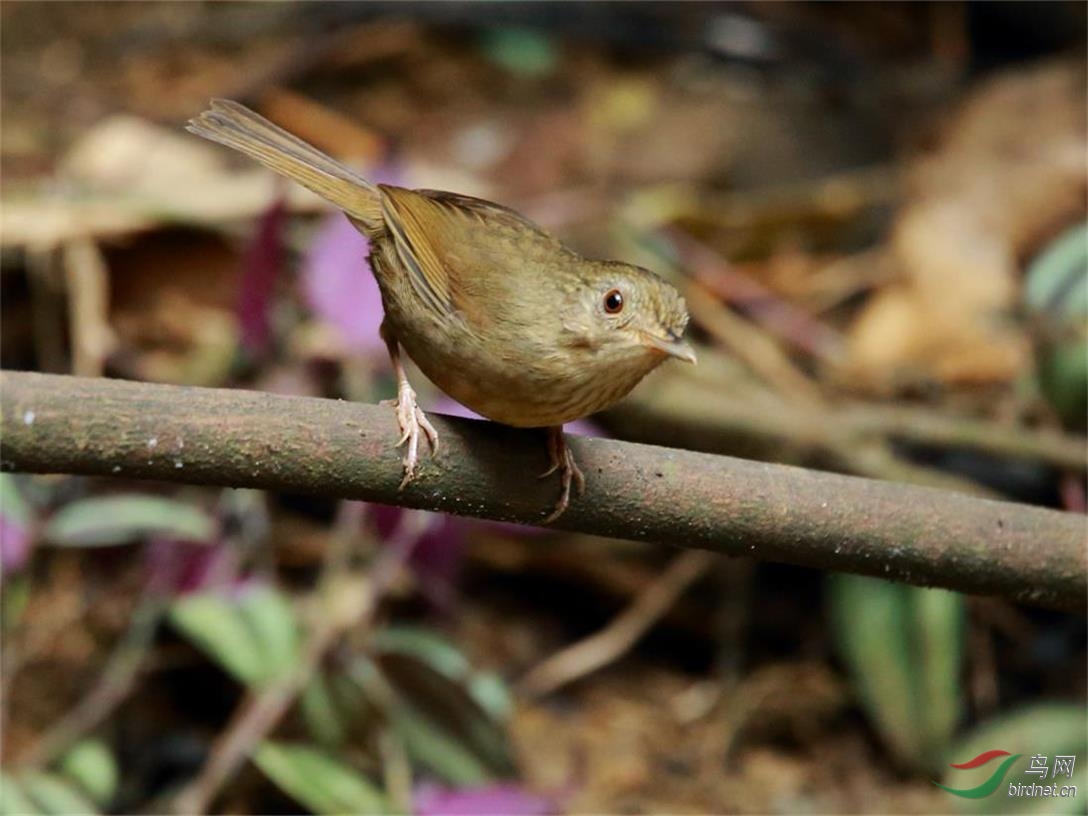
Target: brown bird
[{"x": 494, "y": 310}]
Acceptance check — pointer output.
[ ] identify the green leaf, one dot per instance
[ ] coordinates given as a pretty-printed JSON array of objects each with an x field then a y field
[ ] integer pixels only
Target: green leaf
[
  {"x": 214, "y": 625},
  {"x": 271, "y": 618},
  {"x": 938, "y": 619},
  {"x": 433, "y": 747},
  {"x": 442, "y": 725},
  {"x": 13, "y": 802},
  {"x": 14, "y": 600},
  {"x": 491, "y": 692},
  {"x": 1057, "y": 279},
  {"x": 869, "y": 622},
  {"x": 1048, "y": 730},
  {"x": 316, "y": 780},
  {"x": 1063, "y": 379},
  {"x": 427, "y": 646},
  {"x": 521, "y": 51},
  {"x": 1056, "y": 291},
  {"x": 12, "y": 504},
  {"x": 448, "y": 717},
  {"x": 904, "y": 649},
  {"x": 111, "y": 520},
  {"x": 437, "y": 653},
  {"x": 319, "y": 712},
  {"x": 435, "y": 719},
  {"x": 53, "y": 795},
  {"x": 91, "y": 765},
  {"x": 333, "y": 707},
  {"x": 253, "y": 637}
]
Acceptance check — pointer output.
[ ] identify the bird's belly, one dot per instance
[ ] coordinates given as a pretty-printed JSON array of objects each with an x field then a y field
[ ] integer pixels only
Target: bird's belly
[
  {"x": 501, "y": 377},
  {"x": 513, "y": 391},
  {"x": 534, "y": 404}
]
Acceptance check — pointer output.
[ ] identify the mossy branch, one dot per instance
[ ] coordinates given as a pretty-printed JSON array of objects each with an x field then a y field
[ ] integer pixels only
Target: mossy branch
[{"x": 918, "y": 535}]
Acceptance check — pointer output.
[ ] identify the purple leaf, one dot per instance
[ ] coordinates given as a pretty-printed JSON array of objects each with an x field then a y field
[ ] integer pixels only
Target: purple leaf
[
  {"x": 260, "y": 267},
  {"x": 15, "y": 518},
  {"x": 340, "y": 288},
  {"x": 338, "y": 284},
  {"x": 183, "y": 567},
  {"x": 435, "y": 543},
  {"x": 15, "y": 544},
  {"x": 490, "y": 800},
  {"x": 447, "y": 405}
]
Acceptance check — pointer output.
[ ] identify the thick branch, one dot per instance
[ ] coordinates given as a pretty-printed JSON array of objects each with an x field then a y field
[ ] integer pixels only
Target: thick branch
[{"x": 913, "y": 534}]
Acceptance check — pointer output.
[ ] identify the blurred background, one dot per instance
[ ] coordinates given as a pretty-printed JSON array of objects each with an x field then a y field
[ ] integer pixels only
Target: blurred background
[{"x": 877, "y": 215}]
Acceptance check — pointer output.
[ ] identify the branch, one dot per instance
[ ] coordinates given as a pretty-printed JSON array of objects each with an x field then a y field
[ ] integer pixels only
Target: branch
[
  {"x": 607, "y": 644},
  {"x": 720, "y": 411},
  {"x": 917, "y": 535}
]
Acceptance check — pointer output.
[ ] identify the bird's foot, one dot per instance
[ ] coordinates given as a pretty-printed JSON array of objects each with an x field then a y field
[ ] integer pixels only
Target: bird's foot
[
  {"x": 563, "y": 460},
  {"x": 412, "y": 421}
]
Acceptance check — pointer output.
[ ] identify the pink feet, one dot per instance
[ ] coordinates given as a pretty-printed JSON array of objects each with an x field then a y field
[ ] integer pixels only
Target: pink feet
[
  {"x": 412, "y": 420},
  {"x": 563, "y": 461}
]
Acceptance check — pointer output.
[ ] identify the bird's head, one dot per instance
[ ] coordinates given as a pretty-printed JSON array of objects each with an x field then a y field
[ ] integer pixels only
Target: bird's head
[{"x": 625, "y": 312}]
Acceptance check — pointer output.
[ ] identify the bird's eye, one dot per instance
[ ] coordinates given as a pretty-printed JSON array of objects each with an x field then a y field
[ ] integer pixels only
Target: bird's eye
[{"x": 613, "y": 301}]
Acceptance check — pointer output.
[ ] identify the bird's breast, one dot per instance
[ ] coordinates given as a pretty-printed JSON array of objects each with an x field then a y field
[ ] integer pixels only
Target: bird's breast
[
  {"x": 516, "y": 384},
  {"x": 513, "y": 367}
]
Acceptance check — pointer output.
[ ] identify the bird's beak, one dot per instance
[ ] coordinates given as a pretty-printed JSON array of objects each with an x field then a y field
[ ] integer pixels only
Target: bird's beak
[{"x": 679, "y": 349}]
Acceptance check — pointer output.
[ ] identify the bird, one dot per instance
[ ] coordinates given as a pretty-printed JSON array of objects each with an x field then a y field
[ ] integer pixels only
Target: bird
[{"x": 492, "y": 308}]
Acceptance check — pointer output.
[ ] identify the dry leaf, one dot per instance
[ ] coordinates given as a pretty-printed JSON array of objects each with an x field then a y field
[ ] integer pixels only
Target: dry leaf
[{"x": 991, "y": 191}]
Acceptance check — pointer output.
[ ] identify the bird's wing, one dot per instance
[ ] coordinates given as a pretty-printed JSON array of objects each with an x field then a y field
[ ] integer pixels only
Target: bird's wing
[
  {"x": 481, "y": 209},
  {"x": 414, "y": 230},
  {"x": 454, "y": 246}
]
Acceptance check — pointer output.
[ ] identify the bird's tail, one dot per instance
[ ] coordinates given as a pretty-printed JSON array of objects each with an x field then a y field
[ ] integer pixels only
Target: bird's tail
[{"x": 236, "y": 126}]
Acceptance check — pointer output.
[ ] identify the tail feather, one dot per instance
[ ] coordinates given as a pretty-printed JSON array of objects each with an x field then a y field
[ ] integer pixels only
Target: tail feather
[{"x": 236, "y": 126}]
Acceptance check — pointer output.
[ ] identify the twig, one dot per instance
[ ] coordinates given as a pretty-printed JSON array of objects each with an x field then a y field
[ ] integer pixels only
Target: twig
[
  {"x": 720, "y": 412},
  {"x": 734, "y": 583},
  {"x": 88, "y": 306},
  {"x": 747, "y": 342},
  {"x": 900, "y": 532},
  {"x": 875, "y": 458},
  {"x": 113, "y": 686},
  {"x": 258, "y": 714},
  {"x": 838, "y": 198},
  {"x": 939, "y": 430},
  {"x": 837, "y": 281},
  {"x": 778, "y": 315},
  {"x": 47, "y": 307},
  {"x": 344, "y": 604},
  {"x": 982, "y": 672},
  {"x": 607, "y": 645}
]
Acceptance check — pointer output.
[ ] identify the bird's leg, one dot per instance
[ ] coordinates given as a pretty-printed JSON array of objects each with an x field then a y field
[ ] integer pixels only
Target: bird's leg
[
  {"x": 563, "y": 461},
  {"x": 409, "y": 415}
]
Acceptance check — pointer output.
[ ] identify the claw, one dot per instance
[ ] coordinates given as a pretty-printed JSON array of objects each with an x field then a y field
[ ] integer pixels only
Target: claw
[
  {"x": 563, "y": 461},
  {"x": 428, "y": 431},
  {"x": 409, "y": 416},
  {"x": 412, "y": 420},
  {"x": 554, "y": 455}
]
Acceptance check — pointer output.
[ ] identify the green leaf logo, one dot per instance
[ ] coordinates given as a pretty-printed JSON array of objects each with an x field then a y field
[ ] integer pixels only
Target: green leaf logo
[{"x": 990, "y": 785}]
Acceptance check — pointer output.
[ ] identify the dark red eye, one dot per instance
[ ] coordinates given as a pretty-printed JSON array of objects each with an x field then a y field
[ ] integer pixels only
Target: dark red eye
[{"x": 613, "y": 301}]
